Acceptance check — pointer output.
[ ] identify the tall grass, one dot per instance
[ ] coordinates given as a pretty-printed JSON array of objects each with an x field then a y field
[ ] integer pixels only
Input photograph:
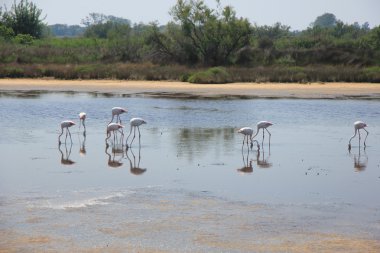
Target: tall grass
[{"x": 148, "y": 71}]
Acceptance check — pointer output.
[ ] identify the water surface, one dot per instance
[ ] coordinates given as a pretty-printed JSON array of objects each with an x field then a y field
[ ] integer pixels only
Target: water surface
[{"x": 189, "y": 185}]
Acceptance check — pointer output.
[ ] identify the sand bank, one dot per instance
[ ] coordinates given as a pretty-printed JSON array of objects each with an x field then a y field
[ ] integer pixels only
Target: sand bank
[{"x": 181, "y": 89}]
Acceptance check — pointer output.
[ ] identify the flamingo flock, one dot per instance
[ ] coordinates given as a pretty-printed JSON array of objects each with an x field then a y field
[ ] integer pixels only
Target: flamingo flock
[
  {"x": 135, "y": 123},
  {"x": 112, "y": 127}
]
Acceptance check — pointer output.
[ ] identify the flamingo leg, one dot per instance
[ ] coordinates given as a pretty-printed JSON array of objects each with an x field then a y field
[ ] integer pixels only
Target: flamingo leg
[
  {"x": 134, "y": 135},
  {"x": 59, "y": 137},
  {"x": 269, "y": 135},
  {"x": 84, "y": 126},
  {"x": 66, "y": 135},
  {"x": 365, "y": 136},
  {"x": 113, "y": 115},
  {"x": 68, "y": 130},
  {"x": 257, "y": 143},
  {"x": 130, "y": 131},
  {"x": 359, "y": 137},
  {"x": 138, "y": 128},
  {"x": 349, "y": 143},
  {"x": 122, "y": 135}
]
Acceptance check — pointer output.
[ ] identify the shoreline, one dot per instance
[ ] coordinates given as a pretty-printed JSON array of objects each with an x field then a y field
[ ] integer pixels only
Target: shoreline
[{"x": 175, "y": 89}]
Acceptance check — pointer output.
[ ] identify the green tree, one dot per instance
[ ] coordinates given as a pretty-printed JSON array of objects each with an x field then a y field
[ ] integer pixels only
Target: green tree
[
  {"x": 99, "y": 18},
  {"x": 214, "y": 35},
  {"x": 327, "y": 20},
  {"x": 25, "y": 18}
]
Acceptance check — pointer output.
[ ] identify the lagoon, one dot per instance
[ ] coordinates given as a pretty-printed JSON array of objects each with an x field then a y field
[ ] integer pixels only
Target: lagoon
[{"x": 189, "y": 186}]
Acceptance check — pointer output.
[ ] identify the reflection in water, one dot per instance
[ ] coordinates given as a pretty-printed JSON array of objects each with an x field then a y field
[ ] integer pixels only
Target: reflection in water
[
  {"x": 190, "y": 142},
  {"x": 360, "y": 160},
  {"x": 65, "y": 158},
  {"x": 82, "y": 144},
  {"x": 262, "y": 161},
  {"x": 114, "y": 160},
  {"x": 247, "y": 168},
  {"x": 135, "y": 167}
]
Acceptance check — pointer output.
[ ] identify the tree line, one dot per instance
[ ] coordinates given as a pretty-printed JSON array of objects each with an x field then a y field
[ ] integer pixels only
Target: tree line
[{"x": 197, "y": 36}]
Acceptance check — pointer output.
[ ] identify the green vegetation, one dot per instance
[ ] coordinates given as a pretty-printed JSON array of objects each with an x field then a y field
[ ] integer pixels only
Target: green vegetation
[{"x": 200, "y": 45}]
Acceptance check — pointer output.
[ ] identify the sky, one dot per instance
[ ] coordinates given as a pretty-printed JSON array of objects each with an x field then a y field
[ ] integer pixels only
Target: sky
[{"x": 298, "y": 14}]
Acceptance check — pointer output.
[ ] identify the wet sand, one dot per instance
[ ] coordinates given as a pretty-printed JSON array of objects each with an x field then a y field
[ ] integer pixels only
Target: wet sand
[{"x": 187, "y": 90}]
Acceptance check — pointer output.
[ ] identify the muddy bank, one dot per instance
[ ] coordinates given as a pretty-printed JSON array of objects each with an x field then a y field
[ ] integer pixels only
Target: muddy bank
[{"x": 169, "y": 89}]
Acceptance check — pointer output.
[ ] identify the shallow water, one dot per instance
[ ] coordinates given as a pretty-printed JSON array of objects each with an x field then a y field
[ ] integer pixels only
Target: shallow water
[{"x": 189, "y": 185}]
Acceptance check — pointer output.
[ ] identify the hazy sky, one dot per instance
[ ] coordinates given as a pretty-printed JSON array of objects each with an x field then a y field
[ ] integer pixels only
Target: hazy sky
[{"x": 296, "y": 13}]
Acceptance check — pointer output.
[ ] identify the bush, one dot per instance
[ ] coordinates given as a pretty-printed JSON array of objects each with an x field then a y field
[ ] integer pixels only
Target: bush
[
  {"x": 25, "y": 39},
  {"x": 212, "y": 75}
]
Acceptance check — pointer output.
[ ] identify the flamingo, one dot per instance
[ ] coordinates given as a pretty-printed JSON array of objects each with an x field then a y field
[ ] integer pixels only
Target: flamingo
[
  {"x": 117, "y": 111},
  {"x": 113, "y": 127},
  {"x": 65, "y": 124},
  {"x": 135, "y": 123},
  {"x": 263, "y": 125},
  {"x": 358, "y": 125},
  {"x": 248, "y": 132},
  {"x": 82, "y": 118}
]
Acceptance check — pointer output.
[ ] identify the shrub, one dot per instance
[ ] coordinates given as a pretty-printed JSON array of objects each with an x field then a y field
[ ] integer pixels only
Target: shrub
[
  {"x": 25, "y": 39},
  {"x": 212, "y": 75}
]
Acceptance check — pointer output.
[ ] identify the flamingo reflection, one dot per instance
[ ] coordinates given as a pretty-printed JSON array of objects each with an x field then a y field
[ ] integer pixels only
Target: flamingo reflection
[
  {"x": 262, "y": 161},
  {"x": 114, "y": 160},
  {"x": 65, "y": 157},
  {"x": 135, "y": 167},
  {"x": 360, "y": 161},
  {"x": 247, "y": 168},
  {"x": 82, "y": 144}
]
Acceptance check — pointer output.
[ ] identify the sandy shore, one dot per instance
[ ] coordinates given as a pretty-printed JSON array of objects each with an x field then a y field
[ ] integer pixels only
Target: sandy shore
[{"x": 181, "y": 89}]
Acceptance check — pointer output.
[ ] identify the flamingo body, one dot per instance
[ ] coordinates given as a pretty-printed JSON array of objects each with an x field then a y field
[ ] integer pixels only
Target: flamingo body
[
  {"x": 65, "y": 125},
  {"x": 82, "y": 118},
  {"x": 135, "y": 123},
  {"x": 263, "y": 125},
  {"x": 116, "y": 111},
  {"x": 248, "y": 132},
  {"x": 112, "y": 128},
  {"x": 358, "y": 125}
]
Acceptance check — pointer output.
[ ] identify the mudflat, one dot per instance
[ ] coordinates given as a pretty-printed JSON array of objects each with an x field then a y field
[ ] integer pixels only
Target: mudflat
[{"x": 336, "y": 90}]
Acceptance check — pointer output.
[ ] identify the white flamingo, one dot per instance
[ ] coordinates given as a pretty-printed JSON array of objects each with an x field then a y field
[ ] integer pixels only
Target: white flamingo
[
  {"x": 135, "y": 123},
  {"x": 82, "y": 118},
  {"x": 65, "y": 124},
  {"x": 358, "y": 125},
  {"x": 114, "y": 127},
  {"x": 116, "y": 111},
  {"x": 248, "y": 132},
  {"x": 263, "y": 125}
]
